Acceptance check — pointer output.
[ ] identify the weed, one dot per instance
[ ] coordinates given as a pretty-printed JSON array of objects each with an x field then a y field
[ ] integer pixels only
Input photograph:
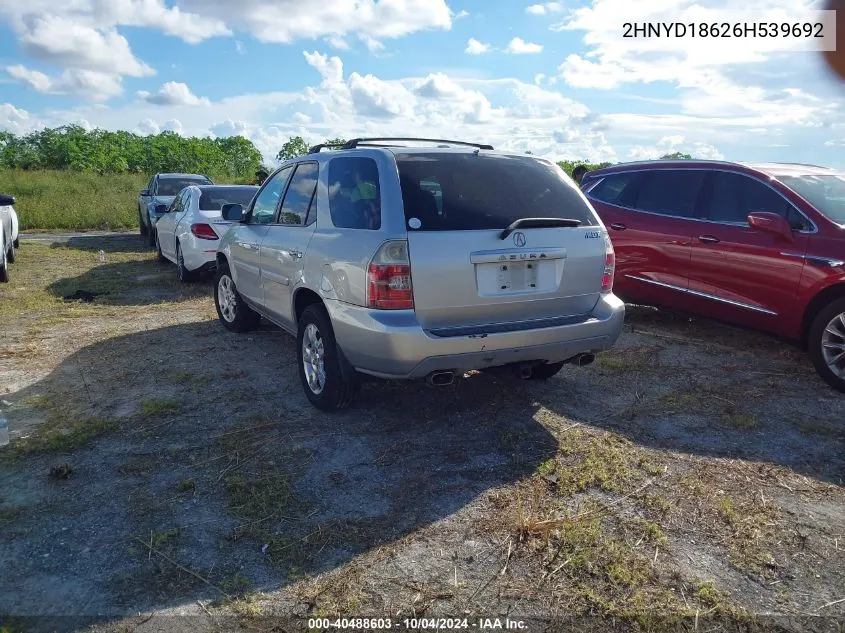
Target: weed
[
  {"x": 186, "y": 485},
  {"x": 158, "y": 407},
  {"x": 63, "y": 433}
]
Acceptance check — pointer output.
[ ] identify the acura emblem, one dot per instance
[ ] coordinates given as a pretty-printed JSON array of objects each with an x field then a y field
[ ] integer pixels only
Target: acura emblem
[{"x": 519, "y": 238}]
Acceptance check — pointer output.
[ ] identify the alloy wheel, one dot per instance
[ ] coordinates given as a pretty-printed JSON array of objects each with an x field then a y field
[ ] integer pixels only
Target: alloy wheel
[
  {"x": 833, "y": 345},
  {"x": 313, "y": 359},
  {"x": 226, "y": 298}
]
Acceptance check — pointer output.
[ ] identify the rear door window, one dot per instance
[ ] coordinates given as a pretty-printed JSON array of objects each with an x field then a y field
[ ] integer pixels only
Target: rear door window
[
  {"x": 354, "y": 193},
  {"x": 471, "y": 192},
  {"x": 670, "y": 192}
]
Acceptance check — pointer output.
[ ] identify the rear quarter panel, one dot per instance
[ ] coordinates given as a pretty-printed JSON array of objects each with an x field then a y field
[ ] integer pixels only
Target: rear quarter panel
[{"x": 337, "y": 258}]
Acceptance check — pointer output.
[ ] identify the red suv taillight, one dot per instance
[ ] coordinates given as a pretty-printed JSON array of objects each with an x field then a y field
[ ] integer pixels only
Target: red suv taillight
[
  {"x": 609, "y": 266},
  {"x": 389, "y": 278},
  {"x": 204, "y": 231}
]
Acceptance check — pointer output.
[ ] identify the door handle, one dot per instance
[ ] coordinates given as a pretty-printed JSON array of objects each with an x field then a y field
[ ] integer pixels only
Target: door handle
[
  {"x": 246, "y": 246},
  {"x": 291, "y": 254},
  {"x": 618, "y": 226},
  {"x": 708, "y": 239}
]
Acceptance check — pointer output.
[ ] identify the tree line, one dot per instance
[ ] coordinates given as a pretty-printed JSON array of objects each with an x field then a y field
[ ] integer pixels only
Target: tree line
[{"x": 74, "y": 148}]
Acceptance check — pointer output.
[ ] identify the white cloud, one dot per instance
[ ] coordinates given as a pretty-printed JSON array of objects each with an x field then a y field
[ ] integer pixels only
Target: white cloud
[
  {"x": 331, "y": 68},
  {"x": 147, "y": 127},
  {"x": 672, "y": 144},
  {"x": 173, "y": 93},
  {"x": 545, "y": 8},
  {"x": 90, "y": 85},
  {"x": 518, "y": 46},
  {"x": 538, "y": 78},
  {"x": 288, "y": 20},
  {"x": 239, "y": 47},
  {"x": 372, "y": 44},
  {"x": 70, "y": 44},
  {"x": 229, "y": 128},
  {"x": 173, "y": 125},
  {"x": 461, "y": 14},
  {"x": 337, "y": 42},
  {"x": 475, "y": 47},
  {"x": 15, "y": 120},
  {"x": 374, "y": 97}
]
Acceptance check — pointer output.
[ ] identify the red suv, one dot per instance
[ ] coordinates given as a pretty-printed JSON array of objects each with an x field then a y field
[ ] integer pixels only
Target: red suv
[{"x": 762, "y": 246}]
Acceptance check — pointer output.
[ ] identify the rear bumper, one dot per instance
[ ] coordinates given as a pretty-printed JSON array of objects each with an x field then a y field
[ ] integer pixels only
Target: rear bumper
[{"x": 391, "y": 344}]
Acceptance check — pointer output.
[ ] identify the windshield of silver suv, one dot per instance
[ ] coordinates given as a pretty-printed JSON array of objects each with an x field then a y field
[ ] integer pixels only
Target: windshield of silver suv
[
  {"x": 825, "y": 192},
  {"x": 469, "y": 191}
]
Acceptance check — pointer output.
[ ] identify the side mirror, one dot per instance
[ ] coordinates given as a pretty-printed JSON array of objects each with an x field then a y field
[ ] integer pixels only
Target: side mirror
[
  {"x": 161, "y": 208},
  {"x": 145, "y": 193},
  {"x": 6, "y": 200},
  {"x": 771, "y": 223},
  {"x": 232, "y": 212}
]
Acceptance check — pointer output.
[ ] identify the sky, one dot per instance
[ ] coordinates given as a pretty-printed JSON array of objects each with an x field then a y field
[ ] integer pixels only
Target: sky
[{"x": 554, "y": 78}]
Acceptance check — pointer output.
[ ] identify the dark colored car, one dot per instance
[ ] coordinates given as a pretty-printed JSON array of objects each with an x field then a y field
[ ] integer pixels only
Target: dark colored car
[
  {"x": 762, "y": 246},
  {"x": 156, "y": 198}
]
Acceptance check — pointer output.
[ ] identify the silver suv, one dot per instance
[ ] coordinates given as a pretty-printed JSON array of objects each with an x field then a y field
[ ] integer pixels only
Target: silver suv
[{"x": 399, "y": 261}]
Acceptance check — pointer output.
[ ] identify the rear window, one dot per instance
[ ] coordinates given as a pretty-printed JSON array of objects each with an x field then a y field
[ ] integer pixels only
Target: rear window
[
  {"x": 470, "y": 192},
  {"x": 172, "y": 186},
  {"x": 214, "y": 199}
]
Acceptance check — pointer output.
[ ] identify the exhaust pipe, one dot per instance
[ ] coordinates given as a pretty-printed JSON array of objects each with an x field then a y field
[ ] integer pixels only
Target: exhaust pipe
[
  {"x": 440, "y": 378},
  {"x": 583, "y": 360},
  {"x": 524, "y": 370}
]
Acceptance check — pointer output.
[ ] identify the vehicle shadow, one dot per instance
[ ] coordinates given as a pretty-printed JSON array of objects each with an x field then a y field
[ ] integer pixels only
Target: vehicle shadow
[
  {"x": 121, "y": 279},
  {"x": 195, "y": 454}
]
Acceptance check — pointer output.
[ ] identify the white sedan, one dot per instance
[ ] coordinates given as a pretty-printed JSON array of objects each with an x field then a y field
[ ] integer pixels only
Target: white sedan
[
  {"x": 189, "y": 232},
  {"x": 8, "y": 234}
]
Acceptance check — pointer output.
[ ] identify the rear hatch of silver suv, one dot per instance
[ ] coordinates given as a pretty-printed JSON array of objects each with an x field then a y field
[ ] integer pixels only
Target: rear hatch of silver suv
[{"x": 497, "y": 242}]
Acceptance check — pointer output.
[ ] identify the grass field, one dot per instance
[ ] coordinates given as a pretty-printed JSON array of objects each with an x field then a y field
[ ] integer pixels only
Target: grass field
[{"x": 66, "y": 200}]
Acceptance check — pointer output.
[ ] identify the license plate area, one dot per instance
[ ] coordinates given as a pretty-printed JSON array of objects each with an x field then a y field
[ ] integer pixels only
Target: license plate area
[
  {"x": 514, "y": 272},
  {"x": 513, "y": 276}
]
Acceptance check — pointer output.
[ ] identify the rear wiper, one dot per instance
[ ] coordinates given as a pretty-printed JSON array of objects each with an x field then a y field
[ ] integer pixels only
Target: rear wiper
[{"x": 538, "y": 223}]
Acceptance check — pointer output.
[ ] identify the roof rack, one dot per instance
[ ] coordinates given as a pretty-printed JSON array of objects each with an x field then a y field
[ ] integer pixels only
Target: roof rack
[
  {"x": 316, "y": 148},
  {"x": 355, "y": 142}
]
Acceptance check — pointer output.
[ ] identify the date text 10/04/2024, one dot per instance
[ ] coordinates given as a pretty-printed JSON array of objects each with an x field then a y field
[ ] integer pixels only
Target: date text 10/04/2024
[{"x": 416, "y": 624}]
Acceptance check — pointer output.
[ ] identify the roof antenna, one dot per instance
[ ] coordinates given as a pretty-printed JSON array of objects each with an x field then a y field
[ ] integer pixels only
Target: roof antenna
[{"x": 476, "y": 152}]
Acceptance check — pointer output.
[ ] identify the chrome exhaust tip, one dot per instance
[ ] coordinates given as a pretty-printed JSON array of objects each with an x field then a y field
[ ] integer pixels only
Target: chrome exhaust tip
[
  {"x": 441, "y": 378},
  {"x": 582, "y": 360}
]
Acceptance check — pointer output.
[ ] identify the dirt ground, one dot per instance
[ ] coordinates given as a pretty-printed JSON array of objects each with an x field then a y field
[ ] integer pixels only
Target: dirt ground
[{"x": 161, "y": 466}]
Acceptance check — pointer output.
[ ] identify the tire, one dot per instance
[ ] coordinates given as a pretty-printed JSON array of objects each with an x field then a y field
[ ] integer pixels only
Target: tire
[
  {"x": 17, "y": 242},
  {"x": 340, "y": 383},
  {"x": 159, "y": 255},
  {"x": 4, "y": 268},
  {"x": 142, "y": 227},
  {"x": 826, "y": 344},
  {"x": 240, "y": 318},
  {"x": 545, "y": 371},
  {"x": 11, "y": 255},
  {"x": 185, "y": 275},
  {"x": 151, "y": 234}
]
